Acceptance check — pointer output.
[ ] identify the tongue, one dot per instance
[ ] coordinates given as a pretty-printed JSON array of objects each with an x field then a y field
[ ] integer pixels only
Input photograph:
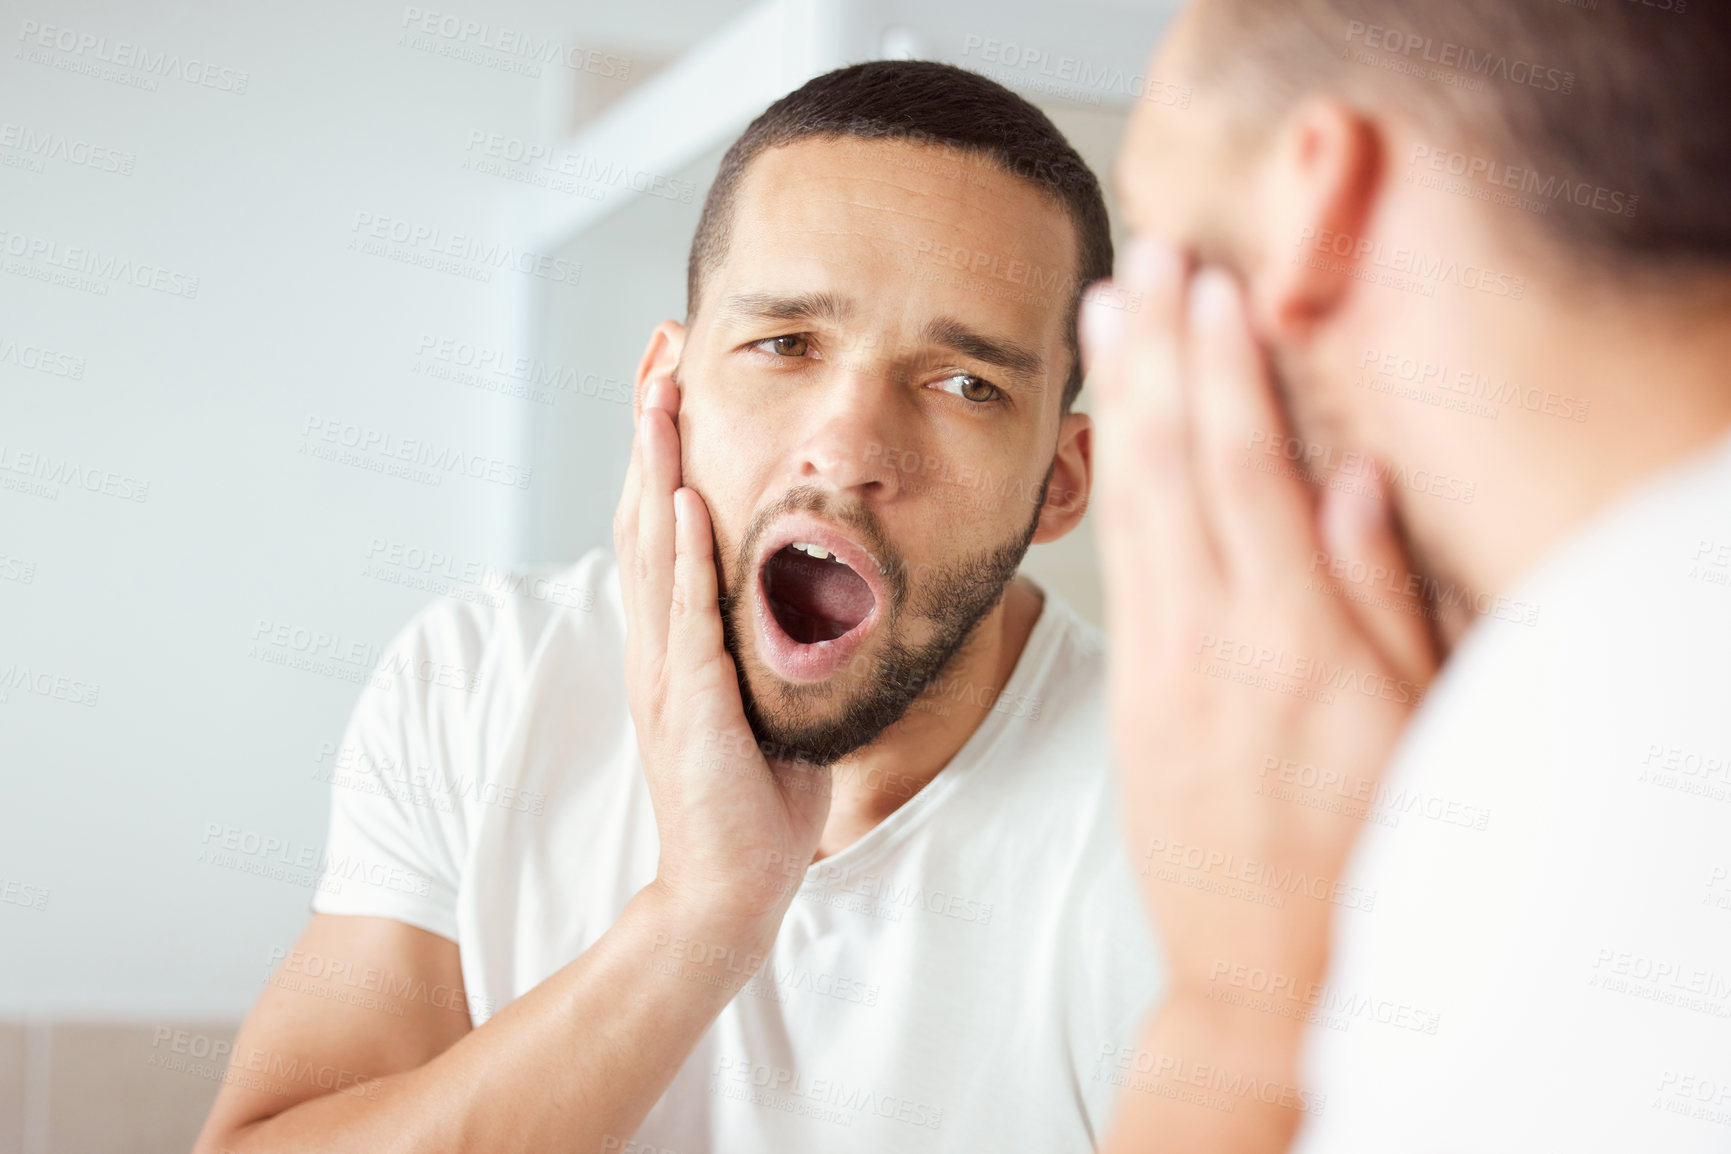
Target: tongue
[{"x": 814, "y": 600}]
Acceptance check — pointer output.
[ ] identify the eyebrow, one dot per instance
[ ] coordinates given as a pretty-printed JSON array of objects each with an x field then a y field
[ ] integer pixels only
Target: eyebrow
[
  {"x": 819, "y": 306},
  {"x": 952, "y": 334}
]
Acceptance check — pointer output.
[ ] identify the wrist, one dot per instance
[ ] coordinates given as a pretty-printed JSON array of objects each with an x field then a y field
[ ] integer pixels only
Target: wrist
[
  {"x": 1194, "y": 1041},
  {"x": 1264, "y": 1031},
  {"x": 745, "y": 898},
  {"x": 707, "y": 935},
  {"x": 1281, "y": 958}
]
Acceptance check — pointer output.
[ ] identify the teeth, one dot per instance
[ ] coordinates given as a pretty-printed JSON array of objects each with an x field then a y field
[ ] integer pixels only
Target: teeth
[{"x": 817, "y": 551}]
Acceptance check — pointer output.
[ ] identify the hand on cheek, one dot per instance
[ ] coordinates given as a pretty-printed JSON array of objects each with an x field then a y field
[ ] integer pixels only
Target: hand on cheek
[
  {"x": 735, "y": 832},
  {"x": 1247, "y": 692}
]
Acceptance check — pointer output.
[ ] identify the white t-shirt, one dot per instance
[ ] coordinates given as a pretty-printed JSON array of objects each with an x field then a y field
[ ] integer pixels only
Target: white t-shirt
[
  {"x": 957, "y": 979},
  {"x": 1548, "y": 962}
]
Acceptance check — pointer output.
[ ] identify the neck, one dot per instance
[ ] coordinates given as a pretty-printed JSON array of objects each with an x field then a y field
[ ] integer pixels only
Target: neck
[
  {"x": 1649, "y": 369},
  {"x": 872, "y": 783}
]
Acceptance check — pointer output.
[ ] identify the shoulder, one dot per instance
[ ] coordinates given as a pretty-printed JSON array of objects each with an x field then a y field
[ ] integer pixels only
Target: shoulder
[
  {"x": 1634, "y": 622},
  {"x": 1628, "y": 622},
  {"x": 1663, "y": 550},
  {"x": 1588, "y": 735},
  {"x": 492, "y": 640},
  {"x": 462, "y": 667},
  {"x": 1055, "y": 776},
  {"x": 1066, "y": 683},
  {"x": 1594, "y": 719}
]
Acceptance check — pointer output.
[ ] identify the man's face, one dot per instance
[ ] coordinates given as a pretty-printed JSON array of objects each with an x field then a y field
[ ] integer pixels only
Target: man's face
[{"x": 870, "y": 405}]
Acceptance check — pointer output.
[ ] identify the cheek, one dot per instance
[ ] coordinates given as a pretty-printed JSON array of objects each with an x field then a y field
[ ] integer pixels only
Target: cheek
[
  {"x": 732, "y": 405},
  {"x": 715, "y": 439},
  {"x": 1344, "y": 400},
  {"x": 974, "y": 497},
  {"x": 723, "y": 456}
]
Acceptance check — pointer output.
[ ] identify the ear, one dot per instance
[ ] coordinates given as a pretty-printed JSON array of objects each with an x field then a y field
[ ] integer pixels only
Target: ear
[
  {"x": 1320, "y": 187},
  {"x": 660, "y": 358},
  {"x": 1072, "y": 478}
]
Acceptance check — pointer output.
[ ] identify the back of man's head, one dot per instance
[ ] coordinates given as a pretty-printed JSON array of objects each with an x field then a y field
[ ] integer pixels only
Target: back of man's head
[
  {"x": 1566, "y": 98},
  {"x": 922, "y": 103},
  {"x": 1483, "y": 242}
]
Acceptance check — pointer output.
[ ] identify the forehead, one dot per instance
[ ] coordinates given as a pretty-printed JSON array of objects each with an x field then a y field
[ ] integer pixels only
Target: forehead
[
  {"x": 1164, "y": 165},
  {"x": 906, "y": 228}
]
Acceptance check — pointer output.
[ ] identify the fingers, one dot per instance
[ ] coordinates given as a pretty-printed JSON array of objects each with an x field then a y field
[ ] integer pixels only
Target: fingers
[
  {"x": 661, "y": 393},
  {"x": 1262, "y": 516},
  {"x": 1157, "y": 554},
  {"x": 625, "y": 528},
  {"x": 652, "y": 558},
  {"x": 1359, "y": 537},
  {"x": 694, "y": 643}
]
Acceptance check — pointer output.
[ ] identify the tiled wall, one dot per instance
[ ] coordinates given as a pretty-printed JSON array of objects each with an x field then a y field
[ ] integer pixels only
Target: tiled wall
[{"x": 100, "y": 1087}]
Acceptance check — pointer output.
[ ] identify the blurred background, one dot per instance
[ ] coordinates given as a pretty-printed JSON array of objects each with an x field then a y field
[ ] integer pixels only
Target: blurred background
[{"x": 249, "y": 254}]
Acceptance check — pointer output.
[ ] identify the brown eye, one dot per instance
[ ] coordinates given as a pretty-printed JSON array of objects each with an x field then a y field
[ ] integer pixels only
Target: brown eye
[
  {"x": 971, "y": 388},
  {"x": 974, "y": 389},
  {"x": 794, "y": 346}
]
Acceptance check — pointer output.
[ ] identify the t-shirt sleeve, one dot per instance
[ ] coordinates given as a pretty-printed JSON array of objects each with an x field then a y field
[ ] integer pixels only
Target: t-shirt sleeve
[{"x": 398, "y": 826}]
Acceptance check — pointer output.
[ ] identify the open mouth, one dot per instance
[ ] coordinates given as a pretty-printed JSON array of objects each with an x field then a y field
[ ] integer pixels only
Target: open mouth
[
  {"x": 819, "y": 595},
  {"x": 813, "y": 594}
]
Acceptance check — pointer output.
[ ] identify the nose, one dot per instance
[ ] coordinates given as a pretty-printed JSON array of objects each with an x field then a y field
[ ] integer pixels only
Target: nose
[{"x": 856, "y": 431}]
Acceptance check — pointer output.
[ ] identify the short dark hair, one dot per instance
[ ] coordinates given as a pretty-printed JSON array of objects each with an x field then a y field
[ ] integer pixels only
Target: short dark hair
[
  {"x": 924, "y": 103},
  {"x": 1622, "y": 98}
]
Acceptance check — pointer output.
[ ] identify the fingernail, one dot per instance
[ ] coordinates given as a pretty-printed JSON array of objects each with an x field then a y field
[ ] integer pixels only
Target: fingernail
[
  {"x": 679, "y": 499},
  {"x": 1149, "y": 264},
  {"x": 1213, "y": 299}
]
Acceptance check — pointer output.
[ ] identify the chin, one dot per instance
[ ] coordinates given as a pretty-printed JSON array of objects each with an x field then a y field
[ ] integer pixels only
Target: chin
[{"x": 832, "y": 645}]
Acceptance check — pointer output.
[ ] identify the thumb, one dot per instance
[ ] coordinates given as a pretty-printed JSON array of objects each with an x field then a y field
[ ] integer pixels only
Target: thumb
[{"x": 1373, "y": 575}]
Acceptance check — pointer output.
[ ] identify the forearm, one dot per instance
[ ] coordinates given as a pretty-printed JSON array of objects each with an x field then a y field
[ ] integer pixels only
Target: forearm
[
  {"x": 1209, "y": 1078},
  {"x": 576, "y": 1061}
]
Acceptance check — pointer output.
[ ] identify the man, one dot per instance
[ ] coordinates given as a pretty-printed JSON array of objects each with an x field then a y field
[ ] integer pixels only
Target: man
[
  {"x": 813, "y": 650},
  {"x": 1431, "y": 363}
]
